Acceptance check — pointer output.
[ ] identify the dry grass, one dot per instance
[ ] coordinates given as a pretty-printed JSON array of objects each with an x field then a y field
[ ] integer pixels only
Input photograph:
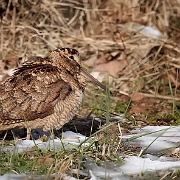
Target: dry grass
[{"x": 31, "y": 28}]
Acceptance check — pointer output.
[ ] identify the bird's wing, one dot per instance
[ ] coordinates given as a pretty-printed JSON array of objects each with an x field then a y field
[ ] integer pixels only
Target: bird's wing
[{"x": 31, "y": 93}]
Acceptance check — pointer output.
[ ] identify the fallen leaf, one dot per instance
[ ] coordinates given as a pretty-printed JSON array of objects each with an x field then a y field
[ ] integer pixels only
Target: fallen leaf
[
  {"x": 93, "y": 61},
  {"x": 124, "y": 98},
  {"x": 137, "y": 96},
  {"x": 112, "y": 67},
  {"x": 45, "y": 161},
  {"x": 138, "y": 109},
  {"x": 90, "y": 62}
]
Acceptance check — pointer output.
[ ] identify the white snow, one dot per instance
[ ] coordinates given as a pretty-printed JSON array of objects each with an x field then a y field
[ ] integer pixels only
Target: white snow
[
  {"x": 150, "y": 32},
  {"x": 70, "y": 140},
  {"x": 161, "y": 137}
]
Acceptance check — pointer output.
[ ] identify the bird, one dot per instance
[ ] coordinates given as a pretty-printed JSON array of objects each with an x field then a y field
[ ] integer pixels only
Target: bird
[{"x": 44, "y": 92}]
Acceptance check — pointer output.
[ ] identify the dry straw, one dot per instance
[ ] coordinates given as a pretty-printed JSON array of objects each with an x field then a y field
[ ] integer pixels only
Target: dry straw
[{"x": 32, "y": 27}]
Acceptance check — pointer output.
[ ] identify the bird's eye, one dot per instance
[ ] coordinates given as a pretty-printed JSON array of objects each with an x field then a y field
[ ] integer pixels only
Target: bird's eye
[{"x": 71, "y": 57}]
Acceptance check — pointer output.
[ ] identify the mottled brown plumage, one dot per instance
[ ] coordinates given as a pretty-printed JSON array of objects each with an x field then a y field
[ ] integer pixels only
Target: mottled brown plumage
[{"x": 44, "y": 92}]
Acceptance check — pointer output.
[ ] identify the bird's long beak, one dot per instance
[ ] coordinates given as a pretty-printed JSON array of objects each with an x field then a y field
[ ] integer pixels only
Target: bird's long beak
[{"x": 92, "y": 79}]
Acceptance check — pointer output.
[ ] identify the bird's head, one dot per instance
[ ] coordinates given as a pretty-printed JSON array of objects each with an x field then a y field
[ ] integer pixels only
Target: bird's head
[
  {"x": 66, "y": 58},
  {"x": 70, "y": 60}
]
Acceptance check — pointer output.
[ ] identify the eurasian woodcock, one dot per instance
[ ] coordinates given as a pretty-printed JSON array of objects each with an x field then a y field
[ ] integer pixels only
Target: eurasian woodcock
[{"x": 45, "y": 92}]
